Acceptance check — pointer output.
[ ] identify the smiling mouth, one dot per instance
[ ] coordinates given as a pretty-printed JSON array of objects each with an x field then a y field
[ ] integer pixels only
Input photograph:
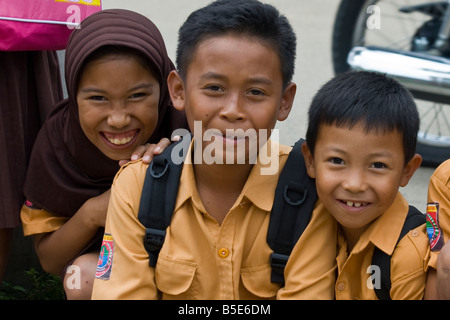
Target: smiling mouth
[
  {"x": 354, "y": 203},
  {"x": 121, "y": 139},
  {"x": 234, "y": 138},
  {"x": 231, "y": 139}
]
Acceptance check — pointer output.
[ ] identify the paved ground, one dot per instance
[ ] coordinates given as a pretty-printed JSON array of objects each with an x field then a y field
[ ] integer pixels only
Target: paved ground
[{"x": 313, "y": 22}]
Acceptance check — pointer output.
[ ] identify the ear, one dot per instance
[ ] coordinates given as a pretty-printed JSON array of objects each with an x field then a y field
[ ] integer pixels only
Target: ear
[
  {"x": 410, "y": 169},
  {"x": 309, "y": 160},
  {"x": 176, "y": 90},
  {"x": 287, "y": 100}
]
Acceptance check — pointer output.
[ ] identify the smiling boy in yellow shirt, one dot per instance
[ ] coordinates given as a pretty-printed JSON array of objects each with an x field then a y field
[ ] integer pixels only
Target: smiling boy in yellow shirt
[{"x": 360, "y": 149}]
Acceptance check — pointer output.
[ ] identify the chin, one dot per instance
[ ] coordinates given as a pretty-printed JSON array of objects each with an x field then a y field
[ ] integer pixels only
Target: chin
[{"x": 118, "y": 156}]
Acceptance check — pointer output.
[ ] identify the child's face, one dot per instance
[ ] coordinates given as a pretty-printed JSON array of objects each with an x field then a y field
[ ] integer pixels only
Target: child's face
[
  {"x": 118, "y": 105},
  {"x": 358, "y": 173},
  {"x": 233, "y": 82}
]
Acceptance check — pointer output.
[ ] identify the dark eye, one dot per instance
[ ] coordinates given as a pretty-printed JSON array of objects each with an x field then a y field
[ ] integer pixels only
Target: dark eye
[
  {"x": 379, "y": 165},
  {"x": 336, "y": 160},
  {"x": 137, "y": 95},
  {"x": 257, "y": 92},
  {"x": 214, "y": 88},
  {"x": 97, "y": 98}
]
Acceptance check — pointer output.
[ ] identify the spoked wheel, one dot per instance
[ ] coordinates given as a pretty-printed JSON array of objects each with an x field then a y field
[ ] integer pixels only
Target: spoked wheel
[{"x": 408, "y": 25}]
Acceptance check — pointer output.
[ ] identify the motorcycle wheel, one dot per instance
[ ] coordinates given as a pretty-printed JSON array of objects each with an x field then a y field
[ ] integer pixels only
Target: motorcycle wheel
[{"x": 396, "y": 30}]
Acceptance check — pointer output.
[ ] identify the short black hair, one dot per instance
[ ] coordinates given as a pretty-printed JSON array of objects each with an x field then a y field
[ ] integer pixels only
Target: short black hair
[
  {"x": 247, "y": 17},
  {"x": 378, "y": 101}
]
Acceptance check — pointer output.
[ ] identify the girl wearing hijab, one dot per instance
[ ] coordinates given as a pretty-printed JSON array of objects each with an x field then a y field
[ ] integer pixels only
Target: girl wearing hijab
[{"x": 116, "y": 68}]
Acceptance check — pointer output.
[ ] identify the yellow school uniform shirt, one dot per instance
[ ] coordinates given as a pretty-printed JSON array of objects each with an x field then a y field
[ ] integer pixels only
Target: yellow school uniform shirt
[
  {"x": 439, "y": 191},
  {"x": 201, "y": 259},
  {"x": 408, "y": 263}
]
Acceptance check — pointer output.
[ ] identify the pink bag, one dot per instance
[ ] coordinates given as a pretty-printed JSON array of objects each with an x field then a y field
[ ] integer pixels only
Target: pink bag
[{"x": 41, "y": 24}]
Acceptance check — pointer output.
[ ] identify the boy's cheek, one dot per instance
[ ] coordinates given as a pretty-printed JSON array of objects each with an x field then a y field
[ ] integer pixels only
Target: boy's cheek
[{"x": 326, "y": 181}]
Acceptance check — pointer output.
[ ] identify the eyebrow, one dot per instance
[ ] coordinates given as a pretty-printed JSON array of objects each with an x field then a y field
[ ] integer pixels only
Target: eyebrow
[
  {"x": 371, "y": 155},
  {"x": 213, "y": 75},
  {"x": 90, "y": 89},
  {"x": 137, "y": 87}
]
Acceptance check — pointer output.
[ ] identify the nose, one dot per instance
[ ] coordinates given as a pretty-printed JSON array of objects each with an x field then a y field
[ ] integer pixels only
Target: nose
[
  {"x": 233, "y": 108},
  {"x": 354, "y": 181},
  {"x": 118, "y": 116}
]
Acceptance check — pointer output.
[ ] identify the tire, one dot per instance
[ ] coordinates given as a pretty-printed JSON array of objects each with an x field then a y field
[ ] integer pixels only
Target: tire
[
  {"x": 348, "y": 31},
  {"x": 343, "y": 30}
]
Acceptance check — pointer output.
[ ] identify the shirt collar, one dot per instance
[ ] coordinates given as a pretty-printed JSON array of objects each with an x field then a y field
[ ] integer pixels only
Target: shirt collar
[
  {"x": 259, "y": 188},
  {"x": 385, "y": 230}
]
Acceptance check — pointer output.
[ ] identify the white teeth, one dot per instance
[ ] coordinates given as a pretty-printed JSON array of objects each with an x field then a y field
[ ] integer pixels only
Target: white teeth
[
  {"x": 234, "y": 138},
  {"x": 354, "y": 204},
  {"x": 119, "y": 142}
]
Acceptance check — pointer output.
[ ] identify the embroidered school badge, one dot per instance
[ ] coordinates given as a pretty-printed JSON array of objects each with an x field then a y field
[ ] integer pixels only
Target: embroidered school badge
[
  {"x": 434, "y": 231},
  {"x": 105, "y": 258}
]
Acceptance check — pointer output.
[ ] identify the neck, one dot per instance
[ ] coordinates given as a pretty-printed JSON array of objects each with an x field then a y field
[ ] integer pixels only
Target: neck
[
  {"x": 352, "y": 236},
  {"x": 219, "y": 186}
]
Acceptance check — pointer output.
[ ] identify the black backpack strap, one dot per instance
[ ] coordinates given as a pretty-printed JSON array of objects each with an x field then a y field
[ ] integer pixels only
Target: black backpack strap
[
  {"x": 295, "y": 198},
  {"x": 414, "y": 219},
  {"x": 159, "y": 195}
]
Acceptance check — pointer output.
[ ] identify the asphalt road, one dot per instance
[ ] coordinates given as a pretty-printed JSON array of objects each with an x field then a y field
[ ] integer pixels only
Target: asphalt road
[{"x": 313, "y": 23}]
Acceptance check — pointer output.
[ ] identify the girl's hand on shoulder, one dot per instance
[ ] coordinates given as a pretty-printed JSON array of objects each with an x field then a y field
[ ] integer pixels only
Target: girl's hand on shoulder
[{"x": 147, "y": 151}]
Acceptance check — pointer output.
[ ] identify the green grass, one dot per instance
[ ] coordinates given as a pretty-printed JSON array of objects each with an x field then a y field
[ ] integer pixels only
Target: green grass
[{"x": 40, "y": 286}]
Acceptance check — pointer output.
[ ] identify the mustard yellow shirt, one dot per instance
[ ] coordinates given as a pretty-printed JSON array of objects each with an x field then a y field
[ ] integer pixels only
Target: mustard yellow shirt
[
  {"x": 408, "y": 263},
  {"x": 201, "y": 259},
  {"x": 439, "y": 191}
]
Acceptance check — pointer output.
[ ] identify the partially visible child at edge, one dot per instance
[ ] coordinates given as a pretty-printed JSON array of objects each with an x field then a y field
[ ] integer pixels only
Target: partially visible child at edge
[
  {"x": 235, "y": 65},
  {"x": 360, "y": 148},
  {"x": 30, "y": 84},
  {"x": 116, "y": 70},
  {"x": 439, "y": 200}
]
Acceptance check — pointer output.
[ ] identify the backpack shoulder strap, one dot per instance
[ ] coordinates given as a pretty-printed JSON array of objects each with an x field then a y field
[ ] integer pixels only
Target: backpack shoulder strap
[
  {"x": 414, "y": 219},
  {"x": 295, "y": 198},
  {"x": 159, "y": 195}
]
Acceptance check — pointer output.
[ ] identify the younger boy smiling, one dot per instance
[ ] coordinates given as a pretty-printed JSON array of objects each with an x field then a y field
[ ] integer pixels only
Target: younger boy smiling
[{"x": 361, "y": 141}]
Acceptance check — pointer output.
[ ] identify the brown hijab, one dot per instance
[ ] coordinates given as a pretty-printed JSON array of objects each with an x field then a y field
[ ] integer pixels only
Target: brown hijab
[{"x": 66, "y": 169}]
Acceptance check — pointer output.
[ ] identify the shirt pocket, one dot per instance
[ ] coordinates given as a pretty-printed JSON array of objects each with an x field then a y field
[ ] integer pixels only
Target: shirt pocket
[
  {"x": 256, "y": 281},
  {"x": 174, "y": 277}
]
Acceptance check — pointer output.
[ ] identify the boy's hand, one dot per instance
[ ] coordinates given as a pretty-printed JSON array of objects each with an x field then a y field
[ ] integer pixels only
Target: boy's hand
[{"x": 147, "y": 151}]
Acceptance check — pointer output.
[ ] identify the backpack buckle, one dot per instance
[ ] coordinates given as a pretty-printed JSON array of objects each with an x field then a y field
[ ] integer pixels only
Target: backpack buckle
[
  {"x": 153, "y": 241},
  {"x": 158, "y": 167},
  {"x": 278, "y": 262},
  {"x": 295, "y": 194}
]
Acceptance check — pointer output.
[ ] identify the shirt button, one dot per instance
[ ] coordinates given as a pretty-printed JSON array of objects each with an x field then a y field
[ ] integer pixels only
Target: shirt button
[
  {"x": 223, "y": 252},
  {"x": 340, "y": 286},
  {"x": 414, "y": 233}
]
